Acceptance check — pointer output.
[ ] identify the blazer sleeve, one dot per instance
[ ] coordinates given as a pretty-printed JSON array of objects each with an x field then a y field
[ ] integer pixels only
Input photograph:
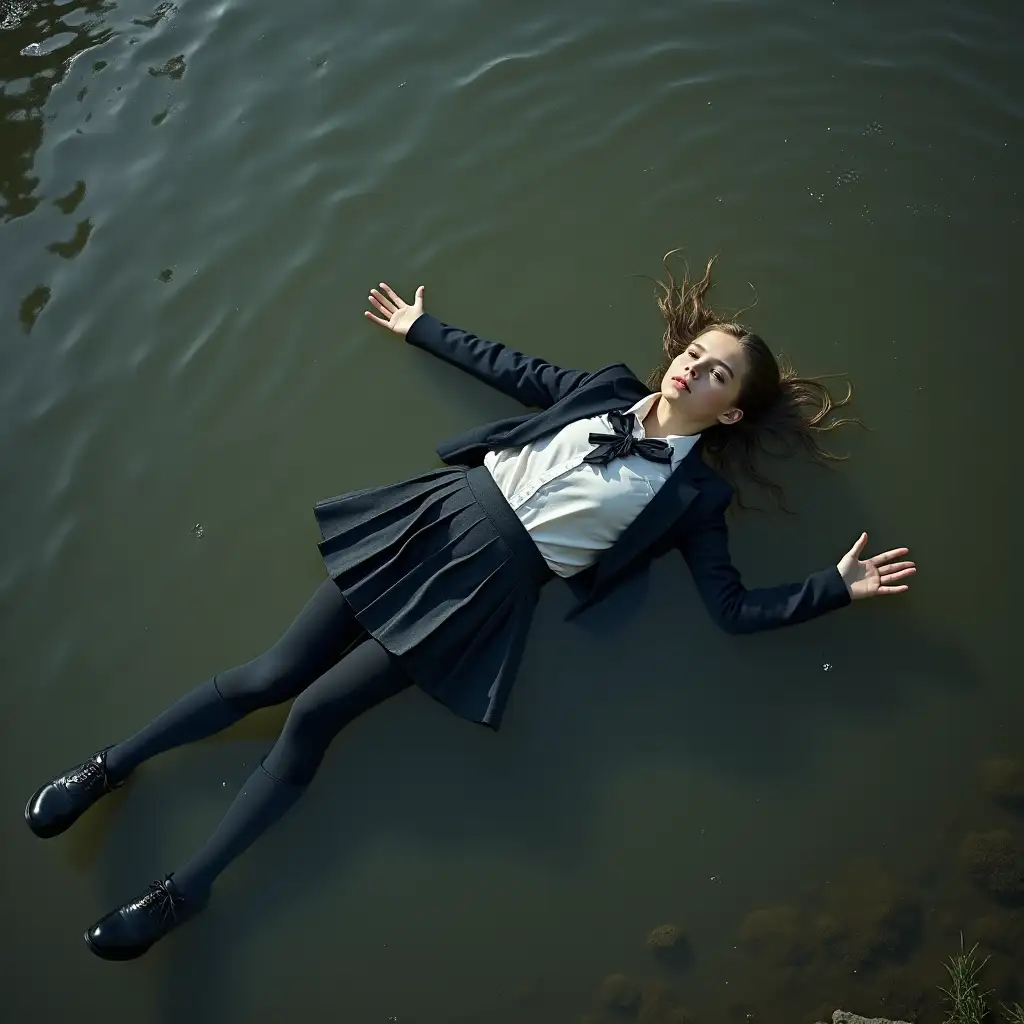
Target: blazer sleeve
[
  {"x": 531, "y": 380},
  {"x": 736, "y": 609}
]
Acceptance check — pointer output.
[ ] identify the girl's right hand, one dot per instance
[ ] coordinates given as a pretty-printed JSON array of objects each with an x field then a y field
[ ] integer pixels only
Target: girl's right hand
[
  {"x": 398, "y": 316},
  {"x": 873, "y": 576}
]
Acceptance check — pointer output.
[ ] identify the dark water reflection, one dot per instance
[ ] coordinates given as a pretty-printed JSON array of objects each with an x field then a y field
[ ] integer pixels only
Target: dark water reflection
[
  {"x": 194, "y": 199},
  {"x": 41, "y": 43}
]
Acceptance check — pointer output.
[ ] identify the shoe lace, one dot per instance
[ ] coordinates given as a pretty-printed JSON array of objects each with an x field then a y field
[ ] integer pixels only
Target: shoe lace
[
  {"x": 90, "y": 772},
  {"x": 160, "y": 900}
]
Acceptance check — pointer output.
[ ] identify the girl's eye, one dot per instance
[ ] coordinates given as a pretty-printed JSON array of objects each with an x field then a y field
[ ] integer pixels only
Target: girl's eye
[
  {"x": 692, "y": 353},
  {"x": 718, "y": 375}
]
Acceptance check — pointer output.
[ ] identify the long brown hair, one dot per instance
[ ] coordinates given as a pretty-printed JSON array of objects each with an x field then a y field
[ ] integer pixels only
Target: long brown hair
[{"x": 783, "y": 414}]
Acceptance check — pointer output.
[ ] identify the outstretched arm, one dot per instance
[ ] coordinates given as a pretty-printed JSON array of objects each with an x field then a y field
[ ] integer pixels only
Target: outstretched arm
[
  {"x": 739, "y": 610},
  {"x": 529, "y": 379}
]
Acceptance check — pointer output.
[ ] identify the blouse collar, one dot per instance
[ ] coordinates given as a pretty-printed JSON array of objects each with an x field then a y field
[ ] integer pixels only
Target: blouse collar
[{"x": 682, "y": 444}]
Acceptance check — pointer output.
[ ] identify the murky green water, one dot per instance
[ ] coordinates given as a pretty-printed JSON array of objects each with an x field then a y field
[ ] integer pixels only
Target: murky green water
[{"x": 194, "y": 199}]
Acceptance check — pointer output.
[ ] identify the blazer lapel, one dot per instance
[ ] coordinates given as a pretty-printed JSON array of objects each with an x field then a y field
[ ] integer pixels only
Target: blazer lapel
[{"x": 657, "y": 517}]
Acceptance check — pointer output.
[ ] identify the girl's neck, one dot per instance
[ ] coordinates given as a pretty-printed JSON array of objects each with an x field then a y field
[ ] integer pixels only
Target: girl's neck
[{"x": 662, "y": 421}]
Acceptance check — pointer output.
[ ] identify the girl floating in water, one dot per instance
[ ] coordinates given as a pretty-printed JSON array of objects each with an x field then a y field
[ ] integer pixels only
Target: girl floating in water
[{"x": 433, "y": 581}]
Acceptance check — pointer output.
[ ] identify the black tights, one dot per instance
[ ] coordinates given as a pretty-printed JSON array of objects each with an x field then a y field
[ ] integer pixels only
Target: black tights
[{"x": 333, "y": 669}]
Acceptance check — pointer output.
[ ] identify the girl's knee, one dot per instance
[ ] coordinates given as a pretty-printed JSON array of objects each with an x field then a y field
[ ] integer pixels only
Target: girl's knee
[
  {"x": 260, "y": 683},
  {"x": 307, "y": 723}
]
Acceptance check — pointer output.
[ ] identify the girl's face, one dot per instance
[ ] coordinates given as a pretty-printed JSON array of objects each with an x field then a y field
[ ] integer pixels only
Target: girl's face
[{"x": 703, "y": 382}]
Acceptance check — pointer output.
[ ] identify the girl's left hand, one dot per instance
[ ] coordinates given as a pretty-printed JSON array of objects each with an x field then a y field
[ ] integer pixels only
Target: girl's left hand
[{"x": 874, "y": 575}]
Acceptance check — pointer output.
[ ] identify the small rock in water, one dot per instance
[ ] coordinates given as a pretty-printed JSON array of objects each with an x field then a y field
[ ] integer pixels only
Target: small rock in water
[
  {"x": 995, "y": 861},
  {"x": 1001, "y": 931},
  {"x": 845, "y": 1017},
  {"x": 620, "y": 993},
  {"x": 668, "y": 943},
  {"x": 665, "y": 936}
]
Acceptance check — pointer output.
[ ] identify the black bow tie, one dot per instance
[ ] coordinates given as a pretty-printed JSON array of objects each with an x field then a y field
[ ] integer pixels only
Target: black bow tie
[{"x": 623, "y": 443}]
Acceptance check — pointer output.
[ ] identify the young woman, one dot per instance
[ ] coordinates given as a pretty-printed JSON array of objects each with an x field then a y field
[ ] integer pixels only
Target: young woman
[{"x": 433, "y": 581}]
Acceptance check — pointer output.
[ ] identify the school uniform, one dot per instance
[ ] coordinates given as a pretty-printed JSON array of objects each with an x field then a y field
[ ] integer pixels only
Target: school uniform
[
  {"x": 444, "y": 570},
  {"x": 433, "y": 582}
]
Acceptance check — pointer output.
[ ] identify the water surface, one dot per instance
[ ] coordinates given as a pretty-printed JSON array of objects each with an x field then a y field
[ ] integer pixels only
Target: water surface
[{"x": 194, "y": 199}]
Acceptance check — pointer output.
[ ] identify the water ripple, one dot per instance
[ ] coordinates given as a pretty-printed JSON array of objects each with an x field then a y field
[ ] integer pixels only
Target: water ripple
[{"x": 191, "y": 214}]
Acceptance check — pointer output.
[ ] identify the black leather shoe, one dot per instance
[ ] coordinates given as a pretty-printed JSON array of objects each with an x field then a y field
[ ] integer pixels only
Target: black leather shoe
[
  {"x": 128, "y": 932},
  {"x": 59, "y": 804}
]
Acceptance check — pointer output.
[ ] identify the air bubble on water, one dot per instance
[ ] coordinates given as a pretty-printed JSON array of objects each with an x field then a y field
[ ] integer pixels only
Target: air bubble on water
[
  {"x": 827, "y": 667},
  {"x": 197, "y": 530}
]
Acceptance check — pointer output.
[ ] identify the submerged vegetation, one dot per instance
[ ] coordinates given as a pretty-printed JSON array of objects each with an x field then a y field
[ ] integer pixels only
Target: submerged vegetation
[{"x": 863, "y": 938}]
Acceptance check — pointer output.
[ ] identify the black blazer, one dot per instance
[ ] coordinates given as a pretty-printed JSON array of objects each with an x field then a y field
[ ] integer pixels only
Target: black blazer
[{"x": 687, "y": 513}]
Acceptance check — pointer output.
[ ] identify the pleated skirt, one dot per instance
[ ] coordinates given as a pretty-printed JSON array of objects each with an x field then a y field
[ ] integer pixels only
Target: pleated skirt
[{"x": 439, "y": 570}]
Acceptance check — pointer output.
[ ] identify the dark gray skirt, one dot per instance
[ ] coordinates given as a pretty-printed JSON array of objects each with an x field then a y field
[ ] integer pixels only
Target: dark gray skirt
[{"x": 439, "y": 570}]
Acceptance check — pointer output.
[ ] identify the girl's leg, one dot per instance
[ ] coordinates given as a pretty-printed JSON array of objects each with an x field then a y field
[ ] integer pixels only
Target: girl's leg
[
  {"x": 364, "y": 677},
  {"x": 314, "y": 642}
]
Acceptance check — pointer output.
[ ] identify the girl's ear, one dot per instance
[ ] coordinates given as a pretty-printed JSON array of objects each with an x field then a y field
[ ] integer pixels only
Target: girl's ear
[{"x": 731, "y": 416}]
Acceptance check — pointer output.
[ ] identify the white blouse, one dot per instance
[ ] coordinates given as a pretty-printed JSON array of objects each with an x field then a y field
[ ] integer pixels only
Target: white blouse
[{"x": 572, "y": 509}]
